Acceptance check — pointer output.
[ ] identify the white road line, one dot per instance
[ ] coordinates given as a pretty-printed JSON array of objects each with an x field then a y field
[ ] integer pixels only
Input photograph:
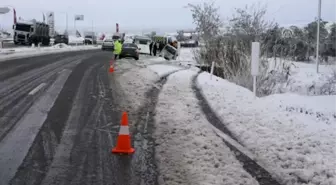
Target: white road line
[
  {"x": 36, "y": 89},
  {"x": 14, "y": 147}
]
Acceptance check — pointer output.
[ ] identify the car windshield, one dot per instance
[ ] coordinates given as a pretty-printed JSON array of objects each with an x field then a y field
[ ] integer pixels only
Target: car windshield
[
  {"x": 88, "y": 36},
  {"x": 130, "y": 45},
  {"x": 142, "y": 41},
  {"x": 22, "y": 27},
  {"x": 115, "y": 37},
  {"x": 61, "y": 36}
]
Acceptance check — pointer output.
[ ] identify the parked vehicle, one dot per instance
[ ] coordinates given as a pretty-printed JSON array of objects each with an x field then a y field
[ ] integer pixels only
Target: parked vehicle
[
  {"x": 143, "y": 43},
  {"x": 108, "y": 44},
  {"x": 129, "y": 50},
  {"x": 31, "y": 32},
  {"x": 61, "y": 39},
  {"x": 89, "y": 39}
]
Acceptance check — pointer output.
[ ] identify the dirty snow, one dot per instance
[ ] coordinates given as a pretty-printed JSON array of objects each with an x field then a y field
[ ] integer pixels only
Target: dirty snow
[
  {"x": 188, "y": 151},
  {"x": 297, "y": 146},
  {"x": 135, "y": 82}
]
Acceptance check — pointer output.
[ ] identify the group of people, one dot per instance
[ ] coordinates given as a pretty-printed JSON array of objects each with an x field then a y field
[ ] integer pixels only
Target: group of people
[{"x": 155, "y": 47}]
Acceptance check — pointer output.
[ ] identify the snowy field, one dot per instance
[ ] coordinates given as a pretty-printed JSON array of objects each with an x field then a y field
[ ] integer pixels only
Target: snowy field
[
  {"x": 291, "y": 134},
  {"x": 12, "y": 53},
  {"x": 304, "y": 80}
]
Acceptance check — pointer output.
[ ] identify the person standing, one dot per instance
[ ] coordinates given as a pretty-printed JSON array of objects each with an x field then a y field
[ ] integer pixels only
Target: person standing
[
  {"x": 117, "y": 49},
  {"x": 154, "y": 48},
  {"x": 150, "y": 48}
]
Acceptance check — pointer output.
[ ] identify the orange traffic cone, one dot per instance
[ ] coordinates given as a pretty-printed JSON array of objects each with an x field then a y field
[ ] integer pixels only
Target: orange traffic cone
[
  {"x": 124, "y": 138},
  {"x": 111, "y": 69}
]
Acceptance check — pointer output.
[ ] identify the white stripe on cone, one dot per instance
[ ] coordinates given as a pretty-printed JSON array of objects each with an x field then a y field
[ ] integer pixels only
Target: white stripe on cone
[{"x": 124, "y": 130}]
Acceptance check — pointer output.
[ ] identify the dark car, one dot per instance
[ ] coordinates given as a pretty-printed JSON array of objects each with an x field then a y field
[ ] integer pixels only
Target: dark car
[
  {"x": 129, "y": 50},
  {"x": 61, "y": 39}
]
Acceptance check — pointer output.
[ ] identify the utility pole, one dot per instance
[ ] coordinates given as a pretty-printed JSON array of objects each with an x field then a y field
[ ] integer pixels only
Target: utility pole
[
  {"x": 92, "y": 32},
  {"x": 66, "y": 14},
  {"x": 318, "y": 35}
]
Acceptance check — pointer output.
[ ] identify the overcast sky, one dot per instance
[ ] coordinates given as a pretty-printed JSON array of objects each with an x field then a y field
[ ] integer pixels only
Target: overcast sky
[{"x": 166, "y": 15}]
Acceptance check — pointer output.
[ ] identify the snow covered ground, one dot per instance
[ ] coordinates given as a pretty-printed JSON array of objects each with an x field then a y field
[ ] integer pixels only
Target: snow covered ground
[
  {"x": 304, "y": 80},
  {"x": 12, "y": 53},
  {"x": 132, "y": 75},
  {"x": 291, "y": 134},
  {"x": 186, "y": 55},
  {"x": 294, "y": 136},
  {"x": 188, "y": 150}
]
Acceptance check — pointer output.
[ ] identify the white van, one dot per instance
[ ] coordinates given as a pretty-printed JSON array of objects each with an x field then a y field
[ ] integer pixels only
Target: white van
[{"x": 143, "y": 44}]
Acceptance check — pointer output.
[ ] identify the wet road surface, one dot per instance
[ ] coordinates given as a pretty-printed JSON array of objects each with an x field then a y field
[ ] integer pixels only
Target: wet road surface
[{"x": 59, "y": 119}]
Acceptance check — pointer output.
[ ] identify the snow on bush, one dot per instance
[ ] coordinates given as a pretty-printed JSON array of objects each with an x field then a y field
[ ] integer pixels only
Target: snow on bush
[{"x": 301, "y": 78}]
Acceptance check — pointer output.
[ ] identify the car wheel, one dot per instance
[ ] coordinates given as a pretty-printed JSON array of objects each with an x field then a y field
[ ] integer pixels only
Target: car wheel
[{"x": 136, "y": 58}]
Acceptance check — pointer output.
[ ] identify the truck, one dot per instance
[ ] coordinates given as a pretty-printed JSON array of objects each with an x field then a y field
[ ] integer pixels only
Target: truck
[
  {"x": 188, "y": 38},
  {"x": 31, "y": 32},
  {"x": 143, "y": 43}
]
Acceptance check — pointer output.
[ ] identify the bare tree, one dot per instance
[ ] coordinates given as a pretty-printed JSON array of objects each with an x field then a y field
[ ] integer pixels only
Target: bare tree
[
  {"x": 230, "y": 49},
  {"x": 207, "y": 19}
]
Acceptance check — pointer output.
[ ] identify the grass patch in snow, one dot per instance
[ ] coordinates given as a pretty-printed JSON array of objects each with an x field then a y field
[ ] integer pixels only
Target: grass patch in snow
[{"x": 304, "y": 80}]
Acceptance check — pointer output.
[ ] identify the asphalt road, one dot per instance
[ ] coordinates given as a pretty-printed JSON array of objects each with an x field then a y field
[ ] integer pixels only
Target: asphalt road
[{"x": 59, "y": 118}]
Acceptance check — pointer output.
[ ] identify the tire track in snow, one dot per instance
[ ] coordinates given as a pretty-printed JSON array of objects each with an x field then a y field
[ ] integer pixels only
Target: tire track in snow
[
  {"x": 143, "y": 137},
  {"x": 250, "y": 166}
]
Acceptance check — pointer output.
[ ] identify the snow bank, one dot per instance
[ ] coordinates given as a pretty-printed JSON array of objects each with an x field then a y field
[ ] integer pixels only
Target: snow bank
[
  {"x": 75, "y": 40},
  {"x": 188, "y": 151},
  {"x": 13, "y": 53},
  {"x": 135, "y": 82},
  {"x": 298, "y": 146},
  {"x": 163, "y": 70}
]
